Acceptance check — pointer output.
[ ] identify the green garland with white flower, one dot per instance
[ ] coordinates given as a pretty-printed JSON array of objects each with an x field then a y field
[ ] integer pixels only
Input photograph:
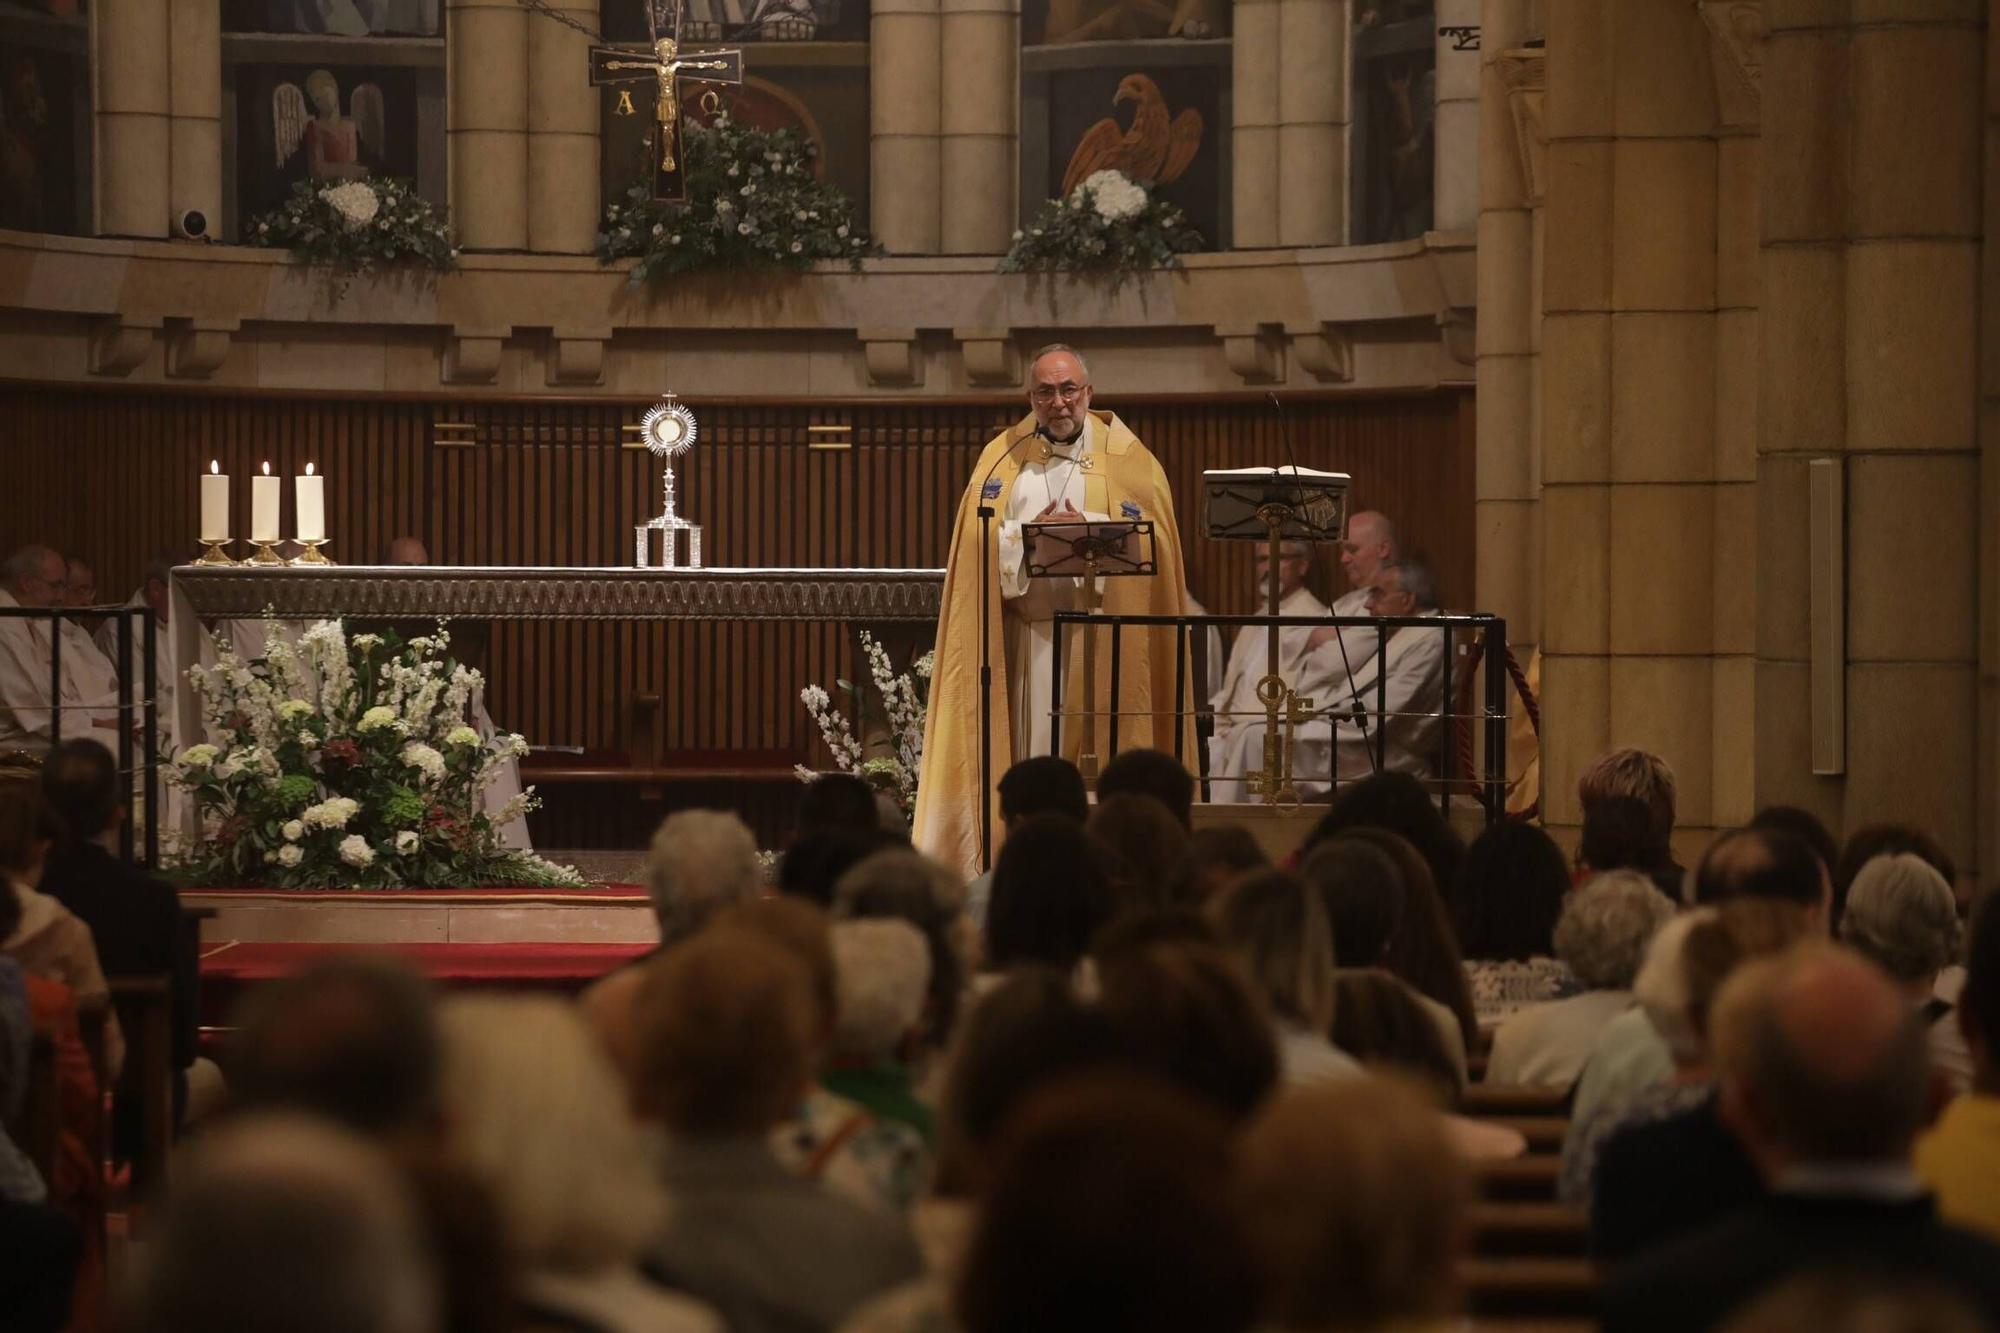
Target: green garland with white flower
[
  {"x": 905, "y": 700},
  {"x": 1109, "y": 223},
  {"x": 357, "y": 225},
  {"x": 349, "y": 763},
  {"x": 753, "y": 203}
]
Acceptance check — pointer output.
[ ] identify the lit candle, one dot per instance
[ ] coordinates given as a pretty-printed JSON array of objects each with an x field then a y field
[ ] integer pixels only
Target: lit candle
[
  {"x": 264, "y": 508},
  {"x": 215, "y": 504},
  {"x": 311, "y": 495}
]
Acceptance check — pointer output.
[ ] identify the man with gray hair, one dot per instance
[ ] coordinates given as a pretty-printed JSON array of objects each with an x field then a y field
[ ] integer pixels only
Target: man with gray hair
[
  {"x": 1903, "y": 915},
  {"x": 1395, "y": 696},
  {"x": 284, "y": 1223},
  {"x": 1825, "y": 1080},
  {"x": 1061, "y": 465},
  {"x": 35, "y": 576}
]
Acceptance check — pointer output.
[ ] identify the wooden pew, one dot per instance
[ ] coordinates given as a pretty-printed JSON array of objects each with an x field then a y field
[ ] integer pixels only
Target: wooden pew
[
  {"x": 145, "y": 1013},
  {"x": 1515, "y": 1229},
  {"x": 37, "y": 1129},
  {"x": 1530, "y": 1288},
  {"x": 1529, "y": 1179}
]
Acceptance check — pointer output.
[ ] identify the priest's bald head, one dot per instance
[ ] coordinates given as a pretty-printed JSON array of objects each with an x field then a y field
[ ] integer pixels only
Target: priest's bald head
[
  {"x": 1059, "y": 391},
  {"x": 1371, "y": 543},
  {"x": 35, "y": 575},
  {"x": 406, "y": 551}
]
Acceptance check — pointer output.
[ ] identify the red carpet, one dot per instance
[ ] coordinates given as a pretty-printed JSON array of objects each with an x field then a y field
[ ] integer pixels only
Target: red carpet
[{"x": 228, "y": 967}]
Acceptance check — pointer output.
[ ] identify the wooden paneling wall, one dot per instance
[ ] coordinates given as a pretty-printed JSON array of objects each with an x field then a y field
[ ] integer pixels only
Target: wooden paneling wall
[{"x": 110, "y": 475}]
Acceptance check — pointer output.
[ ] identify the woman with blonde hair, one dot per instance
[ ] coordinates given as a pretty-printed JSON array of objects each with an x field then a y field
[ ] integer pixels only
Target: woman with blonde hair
[
  {"x": 537, "y": 1113},
  {"x": 1277, "y": 926}
]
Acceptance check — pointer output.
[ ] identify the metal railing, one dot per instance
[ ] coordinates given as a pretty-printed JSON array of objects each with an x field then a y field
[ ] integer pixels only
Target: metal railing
[
  {"x": 138, "y": 758},
  {"x": 1488, "y": 786}
]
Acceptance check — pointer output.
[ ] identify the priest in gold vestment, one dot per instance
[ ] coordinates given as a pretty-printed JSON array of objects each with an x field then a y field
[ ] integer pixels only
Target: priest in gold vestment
[{"x": 1061, "y": 461}]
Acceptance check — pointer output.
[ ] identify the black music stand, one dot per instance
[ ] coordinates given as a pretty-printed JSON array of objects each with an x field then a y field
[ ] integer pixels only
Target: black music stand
[{"x": 1094, "y": 549}]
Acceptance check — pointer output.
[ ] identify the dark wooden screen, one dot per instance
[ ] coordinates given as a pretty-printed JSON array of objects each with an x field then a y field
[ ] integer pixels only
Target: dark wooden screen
[{"x": 110, "y": 475}]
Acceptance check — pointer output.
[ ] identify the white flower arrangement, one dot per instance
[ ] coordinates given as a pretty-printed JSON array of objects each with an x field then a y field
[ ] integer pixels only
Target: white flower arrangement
[
  {"x": 290, "y": 855},
  {"x": 461, "y": 736},
  {"x": 293, "y": 830},
  {"x": 197, "y": 756},
  {"x": 376, "y": 718},
  {"x": 407, "y": 842},
  {"x": 1114, "y": 195},
  {"x": 354, "y": 850},
  {"x": 1108, "y": 223},
  {"x": 905, "y": 701},
  {"x": 332, "y": 813},
  {"x": 425, "y": 760},
  {"x": 355, "y": 201}
]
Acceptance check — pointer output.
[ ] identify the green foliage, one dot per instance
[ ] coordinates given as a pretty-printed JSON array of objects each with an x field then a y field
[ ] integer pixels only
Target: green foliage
[
  {"x": 356, "y": 225},
  {"x": 1108, "y": 224},
  {"x": 753, "y": 204}
]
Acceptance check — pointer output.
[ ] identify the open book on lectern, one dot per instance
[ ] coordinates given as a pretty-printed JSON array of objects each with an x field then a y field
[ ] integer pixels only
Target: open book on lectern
[{"x": 1315, "y": 502}]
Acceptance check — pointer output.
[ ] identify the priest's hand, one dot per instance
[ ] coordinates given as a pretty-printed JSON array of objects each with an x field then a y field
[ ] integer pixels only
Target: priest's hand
[{"x": 1060, "y": 511}]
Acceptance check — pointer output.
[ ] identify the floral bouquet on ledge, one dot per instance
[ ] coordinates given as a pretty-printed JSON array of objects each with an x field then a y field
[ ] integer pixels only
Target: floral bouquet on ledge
[
  {"x": 1109, "y": 223},
  {"x": 905, "y": 701},
  {"x": 357, "y": 224},
  {"x": 347, "y": 763}
]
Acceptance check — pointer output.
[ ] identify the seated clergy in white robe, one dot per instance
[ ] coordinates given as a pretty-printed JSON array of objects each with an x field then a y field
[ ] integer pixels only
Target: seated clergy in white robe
[
  {"x": 34, "y": 577},
  {"x": 1395, "y": 696},
  {"x": 1237, "y": 747}
]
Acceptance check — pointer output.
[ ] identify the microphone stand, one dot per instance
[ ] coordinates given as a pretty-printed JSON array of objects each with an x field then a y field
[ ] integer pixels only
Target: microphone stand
[{"x": 985, "y": 512}]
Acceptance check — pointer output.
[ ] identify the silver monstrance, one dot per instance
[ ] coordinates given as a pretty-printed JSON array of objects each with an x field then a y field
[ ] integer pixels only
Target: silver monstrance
[{"x": 668, "y": 430}]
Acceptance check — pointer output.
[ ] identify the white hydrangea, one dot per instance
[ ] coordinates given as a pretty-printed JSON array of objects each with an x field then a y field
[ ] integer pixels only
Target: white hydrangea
[
  {"x": 197, "y": 756},
  {"x": 406, "y": 842},
  {"x": 376, "y": 718},
  {"x": 291, "y": 710},
  {"x": 425, "y": 760},
  {"x": 355, "y": 201},
  {"x": 1115, "y": 195},
  {"x": 461, "y": 736},
  {"x": 354, "y": 850},
  {"x": 334, "y": 812},
  {"x": 293, "y": 830},
  {"x": 290, "y": 855},
  {"x": 250, "y": 759}
]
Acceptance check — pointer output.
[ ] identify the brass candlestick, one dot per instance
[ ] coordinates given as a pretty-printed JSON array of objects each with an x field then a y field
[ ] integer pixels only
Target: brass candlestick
[
  {"x": 214, "y": 554},
  {"x": 312, "y": 555},
  {"x": 265, "y": 555}
]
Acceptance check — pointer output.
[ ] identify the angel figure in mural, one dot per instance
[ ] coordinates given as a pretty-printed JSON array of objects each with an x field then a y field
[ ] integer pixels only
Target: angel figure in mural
[
  {"x": 333, "y": 142},
  {"x": 1156, "y": 150},
  {"x": 354, "y": 18}
]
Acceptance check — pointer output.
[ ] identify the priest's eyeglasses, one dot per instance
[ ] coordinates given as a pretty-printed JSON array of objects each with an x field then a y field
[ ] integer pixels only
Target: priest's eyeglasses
[{"x": 1049, "y": 393}]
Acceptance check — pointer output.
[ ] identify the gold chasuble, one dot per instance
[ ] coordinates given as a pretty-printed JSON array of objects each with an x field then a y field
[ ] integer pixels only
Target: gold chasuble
[{"x": 1122, "y": 480}]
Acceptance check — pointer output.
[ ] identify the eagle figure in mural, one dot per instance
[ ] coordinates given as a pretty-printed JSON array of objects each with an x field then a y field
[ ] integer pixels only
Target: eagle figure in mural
[{"x": 1156, "y": 150}]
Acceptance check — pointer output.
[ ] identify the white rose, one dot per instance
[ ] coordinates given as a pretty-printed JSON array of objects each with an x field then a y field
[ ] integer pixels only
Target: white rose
[
  {"x": 354, "y": 850},
  {"x": 406, "y": 842},
  {"x": 355, "y": 201},
  {"x": 293, "y": 830},
  {"x": 290, "y": 855}
]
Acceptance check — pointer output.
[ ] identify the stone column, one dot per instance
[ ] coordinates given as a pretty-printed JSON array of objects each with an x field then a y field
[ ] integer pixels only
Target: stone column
[
  {"x": 1507, "y": 473},
  {"x": 133, "y": 78},
  {"x": 1455, "y": 166},
  {"x": 195, "y": 111},
  {"x": 564, "y": 194},
  {"x": 979, "y": 124},
  {"x": 1628, "y": 392},
  {"x": 1988, "y": 776},
  {"x": 1253, "y": 141},
  {"x": 1312, "y": 122},
  {"x": 487, "y": 76},
  {"x": 905, "y": 105}
]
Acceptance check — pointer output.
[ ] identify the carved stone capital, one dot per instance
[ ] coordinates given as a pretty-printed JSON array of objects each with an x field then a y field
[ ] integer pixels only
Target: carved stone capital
[
  {"x": 892, "y": 357},
  {"x": 472, "y": 356},
  {"x": 1256, "y": 352},
  {"x": 1736, "y": 31},
  {"x": 1524, "y": 73},
  {"x": 576, "y": 356},
  {"x": 990, "y": 356},
  {"x": 1459, "y": 329},
  {"x": 196, "y": 348},
  {"x": 1324, "y": 350},
  {"x": 119, "y": 343}
]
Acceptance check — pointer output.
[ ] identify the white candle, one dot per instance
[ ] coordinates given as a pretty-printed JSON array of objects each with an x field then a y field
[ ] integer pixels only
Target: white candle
[
  {"x": 264, "y": 507},
  {"x": 311, "y": 495},
  {"x": 215, "y": 504}
]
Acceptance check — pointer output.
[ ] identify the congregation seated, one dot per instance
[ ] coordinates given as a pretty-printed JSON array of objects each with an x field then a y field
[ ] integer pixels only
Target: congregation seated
[
  {"x": 1663, "y": 1162},
  {"x": 1147, "y": 846},
  {"x": 1620, "y": 833},
  {"x": 882, "y": 969},
  {"x": 1154, "y": 773},
  {"x": 1824, "y": 1072},
  {"x": 538, "y": 1117},
  {"x": 1959, "y": 1157},
  {"x": 47, "y": 939},
  {"x": 1508, "y": 898},
  {"x": 1053, "y": 890},
  {"x": 1601, "y": 938},
  {"x": 900, "y": 884},
  {"x": 1277, "y": 926},
  {"x": 1900, "y": 913},
  {"x": 1873, "y": 840},
  {"x": 1215, "y": 856},
  {"x": 725, "y": 1045},
  {"x": 1043, "y": 784}
]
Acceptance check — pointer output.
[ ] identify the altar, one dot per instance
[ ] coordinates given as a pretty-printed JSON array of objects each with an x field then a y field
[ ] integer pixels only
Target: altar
[{"x": 713, "y": 698}]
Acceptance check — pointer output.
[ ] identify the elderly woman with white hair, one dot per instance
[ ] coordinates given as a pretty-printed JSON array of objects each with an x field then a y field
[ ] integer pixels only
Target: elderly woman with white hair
[
  {"x": 538, "y": 1115},
  {"x": 1601, "y": 937},
  {"x": 1902, "y": 914},
  {"x": 700, "y": 862},
  {"x": 882, "y": 969}
]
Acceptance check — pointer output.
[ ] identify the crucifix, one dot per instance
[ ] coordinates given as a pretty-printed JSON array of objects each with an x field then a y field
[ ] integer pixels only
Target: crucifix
[{"x": 665, "y": 64}]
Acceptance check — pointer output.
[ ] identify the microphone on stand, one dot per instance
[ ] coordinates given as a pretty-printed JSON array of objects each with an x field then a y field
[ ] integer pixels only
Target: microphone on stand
[{"x": 986, "y": 512}]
